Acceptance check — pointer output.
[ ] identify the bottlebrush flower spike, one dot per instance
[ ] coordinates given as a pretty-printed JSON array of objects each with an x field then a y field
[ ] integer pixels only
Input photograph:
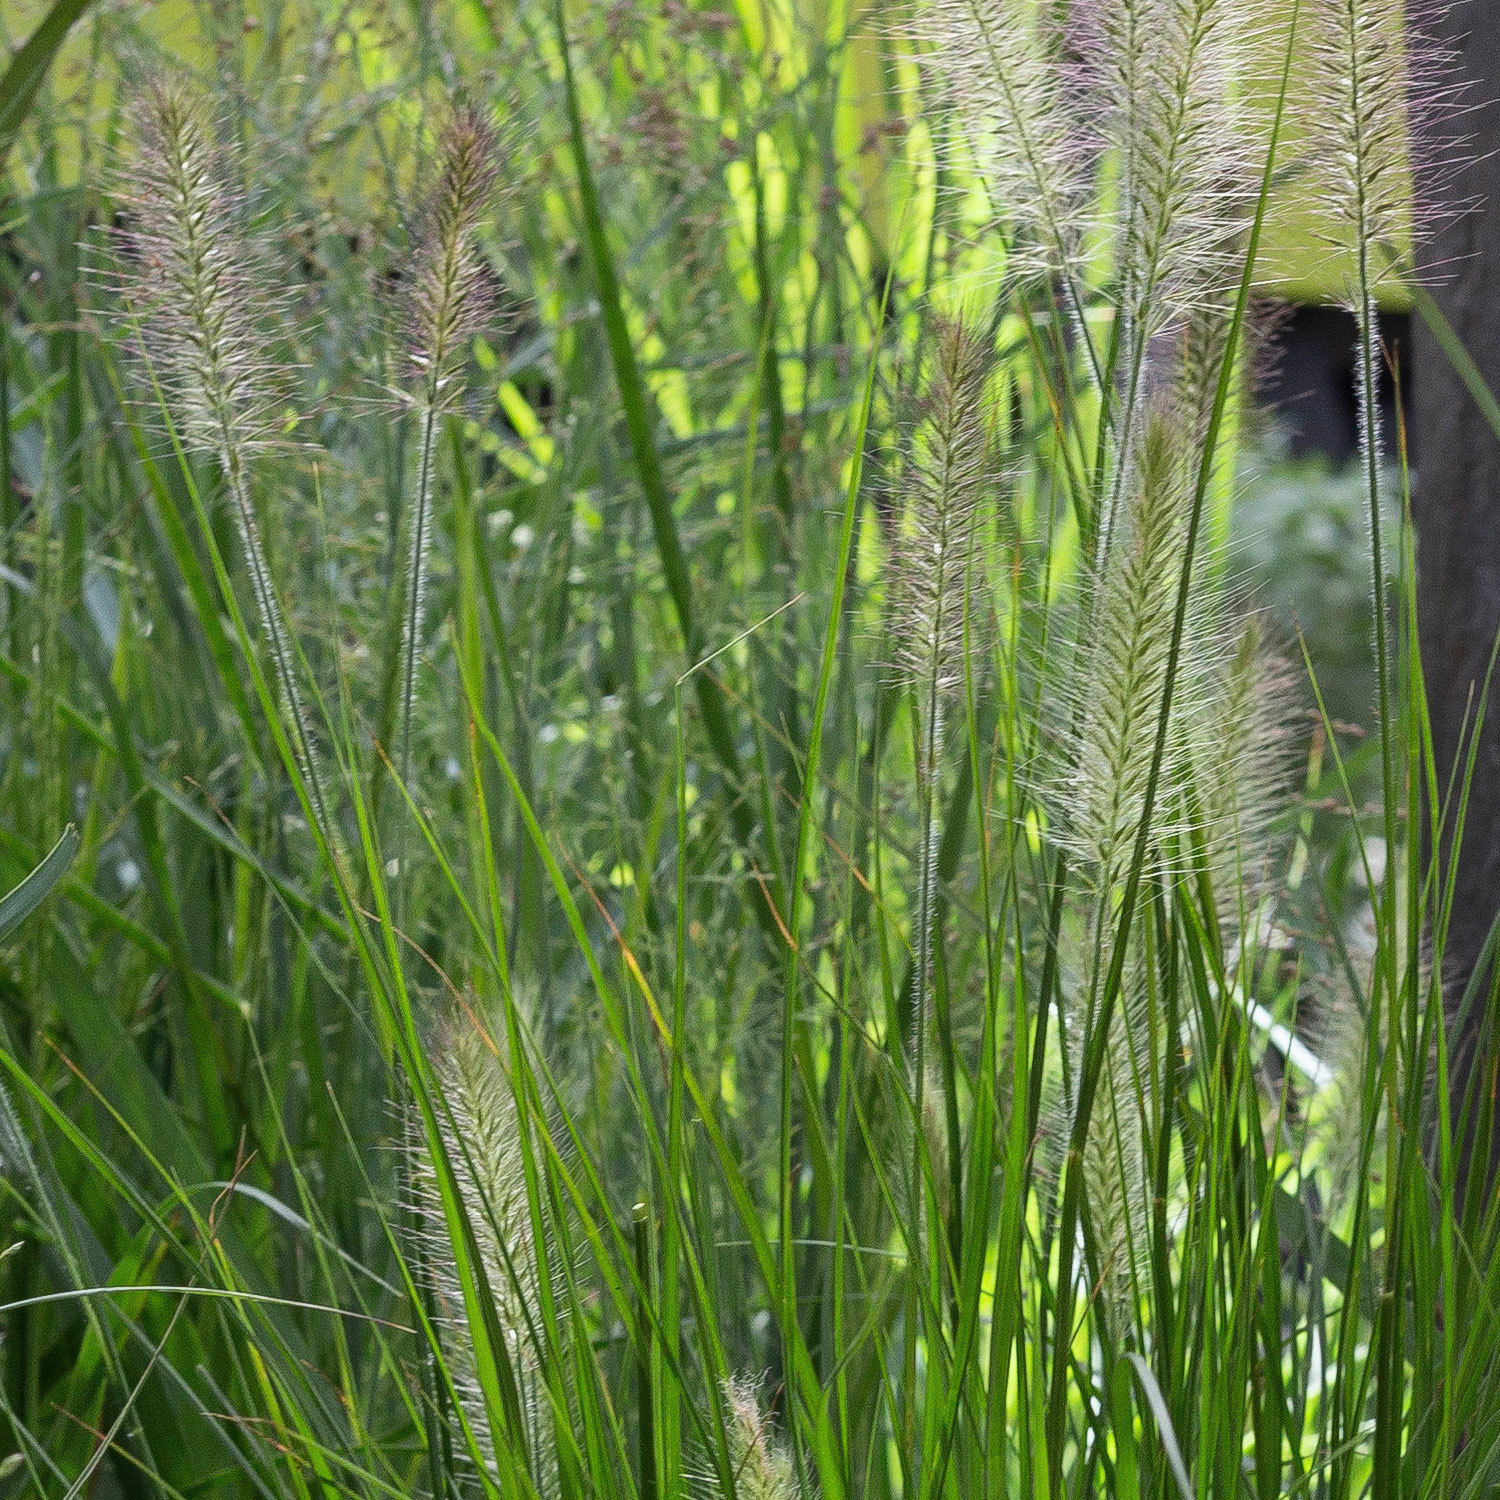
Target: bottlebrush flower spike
[
  {"x": 947, "y": 470},
  {"x": 449, "y": 299},
  {"x": 196, "y": 281},
  {"x": 1376, "y": 92},
  {"x": 1240, "y": 751},
  {"x": 448, "y": 303},
  {"x": 1117, "y": 695},
  {"x": 1164, "y": 80},
  {"x": 995, "y": 65},
  {"x": 481, "y": 1132},
  {"x": 197, "y": 290},
  {"x": 946, "y": 473},
  {"x": 762, "y": 1468}
]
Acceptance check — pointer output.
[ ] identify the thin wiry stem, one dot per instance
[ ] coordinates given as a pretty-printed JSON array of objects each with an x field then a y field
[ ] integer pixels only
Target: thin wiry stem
[
  {"x": 282, "y": 657},
  {"x": 416, "y": 578},
  {"x": 1363, "y": 84}
]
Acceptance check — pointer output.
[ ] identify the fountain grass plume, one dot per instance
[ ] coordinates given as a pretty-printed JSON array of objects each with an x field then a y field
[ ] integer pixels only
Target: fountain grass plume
[
  {"x": 480, "y": 1126},
  {"x": 1116, "y": 1212},
  {"x": 994, "y": 64},
  {"x": 1225, "y": 773},
  {"x": 449, "y": 298},
  {"x": 1377, "y": 84},
  {"x": 1117, "y": 691},
  {"x": 1171, "y": 106},
  {"x": 1170, "y": 111},
  {"x": 1220, "y": 783},
  {"x": 1379, "y": 100},
  {"x": 1204, "y": 339},
  {"x": 760, "y": 1466},
  {"x": 196, "y": 283},
  {"x": 1240, "y": 754},
  {"x": 1113, "y": 1157},
  {"x": 946, "y": 477},
  {"x": 946, "y": 474},
  {"x": 448, "y": 301}
]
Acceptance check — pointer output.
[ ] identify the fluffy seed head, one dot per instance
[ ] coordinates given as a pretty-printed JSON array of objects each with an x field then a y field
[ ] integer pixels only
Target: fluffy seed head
[
  {"x": 481, "y": 1135},
  {"x": 449, "y": 300},
  {"x": 193, "y": 276},
  {"x": 994, "y": 65},
  {"x": 1239, "y": 754},
  {"x": 762, "y": 1467},
  {"x": 1377, "y": 94},
  {"x": 947, "y": 472},
  {"x": 1198, "y": 347},
  {"x": 1116, "y": 694},
  {"x": 195, "y": 285},
  {"x": 1113, "y": 1158},
  {"x": 1163, "y": 79},
  {"x": 1114, "y": 1170}
]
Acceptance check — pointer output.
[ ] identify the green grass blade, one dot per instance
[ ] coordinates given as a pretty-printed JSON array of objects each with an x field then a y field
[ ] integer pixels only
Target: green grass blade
[
  {"x": 21, "y": 900},
  {"x": 23, "y": 77}
]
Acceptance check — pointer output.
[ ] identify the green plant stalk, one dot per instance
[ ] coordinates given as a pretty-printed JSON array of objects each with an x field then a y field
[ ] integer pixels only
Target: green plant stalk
[
  {"x": 924, "y": 925},
  {"x": 27, "y": 68},
  {"x": 800, "y": 1366},
  {"x": 920, "y": 1202},
  {"x": 282, "y": 659},
  {"x": 802, "y": 858},
  {"x": 1384, "y": 989},
  {"x": 1368, "y": 367},
  {"x": 416, "y": 568},
  {"x": 229, "y": 454},
  {"x": 393, "y": 1008}
]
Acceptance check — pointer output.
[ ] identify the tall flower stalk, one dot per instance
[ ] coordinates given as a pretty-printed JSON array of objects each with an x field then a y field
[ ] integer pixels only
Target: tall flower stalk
[
  {"x": 1361, "y": 81},
  {"x": 947, "y": 468},
  {"x": 1213, "y": 730},
  {"x": 1364, "y": 86},
  {"x": 194, "y": 278},
  {"x": 1116, "y": 698},
  {"x": 446, "y": 305}
]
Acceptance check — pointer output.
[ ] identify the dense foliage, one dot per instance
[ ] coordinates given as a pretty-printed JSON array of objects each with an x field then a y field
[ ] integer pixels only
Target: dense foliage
[{"x": 678, "y": 863}]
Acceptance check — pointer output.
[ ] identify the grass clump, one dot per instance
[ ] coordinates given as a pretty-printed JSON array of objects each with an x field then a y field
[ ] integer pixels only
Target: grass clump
[{"x": 749, "y": 825}]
